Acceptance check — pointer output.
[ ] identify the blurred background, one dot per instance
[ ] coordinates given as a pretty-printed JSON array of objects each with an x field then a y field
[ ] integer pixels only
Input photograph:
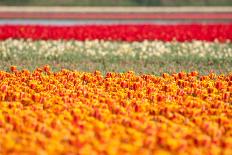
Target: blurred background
[
  {"x": 101, "y": 12},
  {"x": 90, "y": 12},
  {"x": 117, "y": 2}
]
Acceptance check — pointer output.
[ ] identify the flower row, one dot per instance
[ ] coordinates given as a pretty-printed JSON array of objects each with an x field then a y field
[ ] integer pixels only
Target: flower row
[
  {"x": 71, "y": 112},
  {"x": 209, "y": 32},
  {"x": 99, "y": 49}
]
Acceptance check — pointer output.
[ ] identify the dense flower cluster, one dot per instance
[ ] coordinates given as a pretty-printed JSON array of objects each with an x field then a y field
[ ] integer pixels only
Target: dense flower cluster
[
  {"x": 97, "y": 49},
  {"x": 70, "y": 112},
  {"x": 189, "y": 32}
]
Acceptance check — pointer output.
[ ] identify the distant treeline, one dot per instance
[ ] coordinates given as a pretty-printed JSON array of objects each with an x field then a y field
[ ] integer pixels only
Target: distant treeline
[{"x": 117, "y": 2}]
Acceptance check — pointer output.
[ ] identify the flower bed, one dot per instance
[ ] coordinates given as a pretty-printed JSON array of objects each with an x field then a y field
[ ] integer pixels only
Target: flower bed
[
  {"x": 211, "y": 32},
  {"x": 76, "y": 112},
  {"x": 97, "y": 49},
  {"x": 69, "y": 112}
]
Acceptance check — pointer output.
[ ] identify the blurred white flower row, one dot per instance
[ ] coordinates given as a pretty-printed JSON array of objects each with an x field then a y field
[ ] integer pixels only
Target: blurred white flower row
[{"x": 98, "y": 48}]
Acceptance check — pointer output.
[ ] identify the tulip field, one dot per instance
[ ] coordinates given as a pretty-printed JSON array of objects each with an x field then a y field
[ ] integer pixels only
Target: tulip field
[
  {"x": 152, "y": 49},
  {"x": 116, "y": 89}
]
